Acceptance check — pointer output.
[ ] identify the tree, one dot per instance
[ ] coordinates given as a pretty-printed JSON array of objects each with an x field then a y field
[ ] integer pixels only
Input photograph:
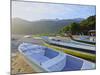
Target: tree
[
  {"x": 75, "y": 28},
  {"x": 65, "y": 29},
  {"x": 84, "y": 26},
  {"x": 88, "y": 24}
]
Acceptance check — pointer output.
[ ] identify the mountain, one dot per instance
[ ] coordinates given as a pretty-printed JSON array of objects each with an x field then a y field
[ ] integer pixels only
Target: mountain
[{"x": 20, "y": 26}]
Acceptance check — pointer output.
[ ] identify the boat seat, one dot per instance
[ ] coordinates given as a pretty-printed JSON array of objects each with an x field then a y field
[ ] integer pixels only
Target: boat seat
[
  {"x": 55, "y": 64},
  {"x": 88, "y": 65}
]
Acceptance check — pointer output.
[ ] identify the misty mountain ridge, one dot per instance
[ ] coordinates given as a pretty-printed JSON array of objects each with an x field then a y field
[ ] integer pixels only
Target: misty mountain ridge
[{"x": 21, "y": 26}]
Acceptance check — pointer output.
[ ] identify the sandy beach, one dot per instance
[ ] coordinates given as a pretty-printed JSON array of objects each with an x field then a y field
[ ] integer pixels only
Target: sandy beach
[{"x": 18, "y": 65}]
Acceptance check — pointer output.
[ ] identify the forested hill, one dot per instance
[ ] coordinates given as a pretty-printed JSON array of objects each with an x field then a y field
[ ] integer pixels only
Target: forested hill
[
  {"x": 84, "y": 26},
  {"x": 20, "y": 26}
]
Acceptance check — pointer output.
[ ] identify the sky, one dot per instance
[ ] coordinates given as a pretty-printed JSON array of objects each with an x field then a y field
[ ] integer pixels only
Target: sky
[{"x": 32, "y": 11}]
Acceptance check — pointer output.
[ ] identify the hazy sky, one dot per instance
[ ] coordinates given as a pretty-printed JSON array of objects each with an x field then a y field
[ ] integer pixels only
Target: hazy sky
[{"x": 34, "y": 11}]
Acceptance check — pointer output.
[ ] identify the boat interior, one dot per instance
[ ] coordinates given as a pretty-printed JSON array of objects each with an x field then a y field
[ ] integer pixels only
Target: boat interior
[{"x": 52, "y": 60}]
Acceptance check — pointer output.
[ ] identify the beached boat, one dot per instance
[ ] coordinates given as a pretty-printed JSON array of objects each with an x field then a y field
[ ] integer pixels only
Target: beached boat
[
  {"x": 71, "y": 44},
  {"x": 86, "y": 39},
  {"x": 44, "y": 59}
]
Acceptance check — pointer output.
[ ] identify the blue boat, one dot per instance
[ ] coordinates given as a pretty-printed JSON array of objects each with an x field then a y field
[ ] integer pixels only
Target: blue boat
[{"x": 44, "y": 59}]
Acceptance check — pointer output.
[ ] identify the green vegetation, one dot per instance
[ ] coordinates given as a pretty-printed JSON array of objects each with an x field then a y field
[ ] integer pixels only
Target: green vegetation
[
  {"x": 44, "y": 34},
  {"x": 87, "y": 56},
  {"x": 84, "y": 26},
  {"x": 39, "y": 35}
]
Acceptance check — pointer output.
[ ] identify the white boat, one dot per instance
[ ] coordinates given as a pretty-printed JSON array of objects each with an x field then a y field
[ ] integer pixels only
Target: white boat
[
  {"x": 43, "y": 59},
  {"x": 71, "y": 44},
  {"x": 86, "y": 39}
]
